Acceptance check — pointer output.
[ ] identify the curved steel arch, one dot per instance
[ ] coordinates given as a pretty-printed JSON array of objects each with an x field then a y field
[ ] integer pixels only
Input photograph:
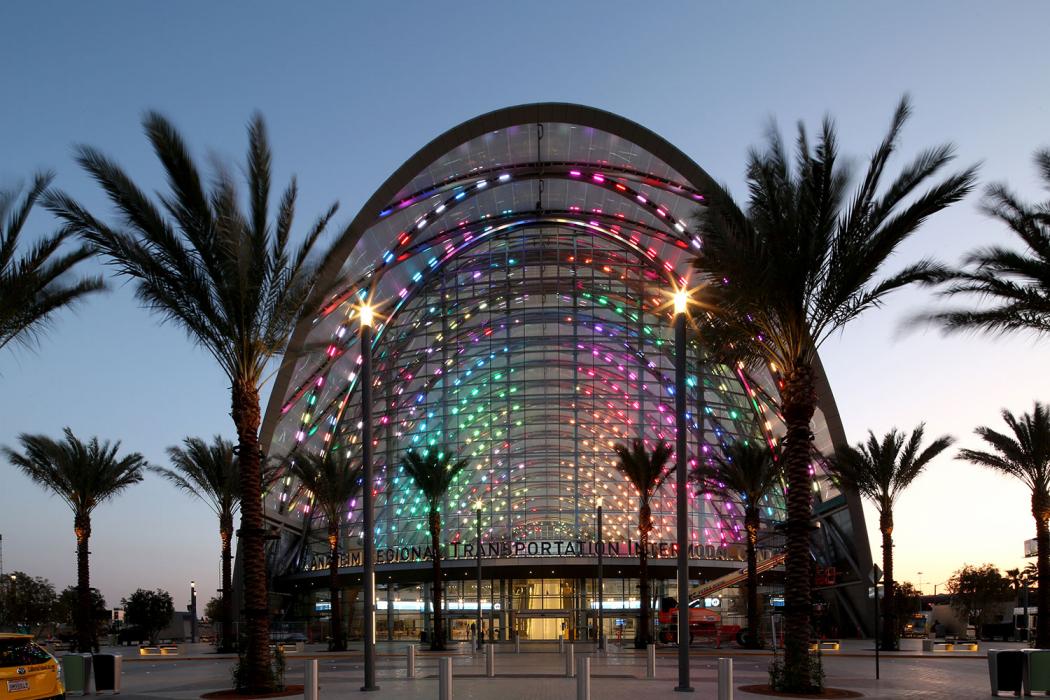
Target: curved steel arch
[{"x": 372, "y": 212}]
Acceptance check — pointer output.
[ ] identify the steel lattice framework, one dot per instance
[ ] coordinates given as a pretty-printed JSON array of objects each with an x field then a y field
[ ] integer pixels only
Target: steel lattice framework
[{"x": 521, "y": 265}]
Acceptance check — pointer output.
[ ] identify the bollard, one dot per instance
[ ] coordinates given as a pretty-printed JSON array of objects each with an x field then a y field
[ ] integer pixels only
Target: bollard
[
  {"x": 490, "y": 660},
  {"x": 583, "y": 679},
  {"x": 310, "y": 684},
  {"x": 517, "y": 644},
  {"x": 725, "y": 679},
  {"x": 445, "y": 678},
  {"x": 650, "y": 661},
  {"x": 570, "y": 662},
  {"x": 411, "y": 660},
  {"x": 561, "y": 645}
]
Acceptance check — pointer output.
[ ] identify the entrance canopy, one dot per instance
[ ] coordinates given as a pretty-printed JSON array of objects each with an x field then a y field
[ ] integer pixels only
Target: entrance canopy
[{"x": 521, "y": 265}]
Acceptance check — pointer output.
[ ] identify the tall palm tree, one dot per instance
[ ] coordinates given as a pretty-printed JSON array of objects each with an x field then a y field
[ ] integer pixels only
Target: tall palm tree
[
  {"x": 797, "y": 264},
  {"x": 433, "y": 472},
  {"x": 881, "y": 471},
  {"x": 84, "y": 475},
  {"x": 647, "y": 472},
  {"x": 333, "y": 482},
  {"x": 1024, "y": 454},
  {"x": 210, "y": 472},
  {"x": 233, "y": 282},
  {"x": 1012, "y": 286},
  {"x": 750, "y": 472},
  {"x": 34, "y": 286}
]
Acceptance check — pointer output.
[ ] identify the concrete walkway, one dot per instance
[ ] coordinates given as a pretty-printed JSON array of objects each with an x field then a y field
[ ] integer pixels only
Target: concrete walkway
[{"x": 537, "y": 673}]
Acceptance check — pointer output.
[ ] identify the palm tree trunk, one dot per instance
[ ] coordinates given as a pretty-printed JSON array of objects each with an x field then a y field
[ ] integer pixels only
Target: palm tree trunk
[
  {"x": 751, "y": 523},
  {"x": 246, "y": 417},
  {"x": 226, "y": 536},
  {"x": 85, "y": 617},
  {"x": 889, "y": 610},
  {"x": 798, "y": 404},
  {"x": 645, "y": 517},
  {"x": 1040, "y": 508},
  {"x": 438, "y": 642},
  {"x": 338, "y": 642}
]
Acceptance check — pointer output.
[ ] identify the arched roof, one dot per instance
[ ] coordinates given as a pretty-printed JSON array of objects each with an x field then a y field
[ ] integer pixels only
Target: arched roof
[{"x": 602, "y": 206}]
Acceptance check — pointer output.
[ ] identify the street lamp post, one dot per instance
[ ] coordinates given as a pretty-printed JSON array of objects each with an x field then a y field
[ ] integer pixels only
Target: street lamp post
[
  {"x": 368, "y": 527},
  {"x": 601, "y": 582},
  {"x": 681, "y": 299},
  {"x": 477, "y": 509},
  {"x": 193, "y": 611}
]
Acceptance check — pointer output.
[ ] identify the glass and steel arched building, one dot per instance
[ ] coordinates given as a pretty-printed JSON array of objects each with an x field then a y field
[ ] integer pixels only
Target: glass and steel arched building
[{"x": 520, "y": 264}]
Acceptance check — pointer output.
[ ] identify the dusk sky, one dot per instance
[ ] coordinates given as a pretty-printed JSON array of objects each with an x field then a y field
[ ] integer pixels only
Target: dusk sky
[{"x": 350, "y": 90}]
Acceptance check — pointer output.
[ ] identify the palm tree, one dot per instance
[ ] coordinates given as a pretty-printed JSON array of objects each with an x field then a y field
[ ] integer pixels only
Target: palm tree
[
  {"x": 1017, "y": 284},
  {"x": 881, "y": 471},
  {"x": 798, "y": 264},
  {"x": 433, "y": 472},
  {"x": 210, "y": 472},
  {"x": 33, "y": 287},
  {"x": 231, "y": 280},
  {"x": 84, "y": 475},
  {"x": 1025, "y": 455},
  {"x": 333, "y": 482},
  {"x": 647, "y": 472},
  {"x": 750, "y": 472}
]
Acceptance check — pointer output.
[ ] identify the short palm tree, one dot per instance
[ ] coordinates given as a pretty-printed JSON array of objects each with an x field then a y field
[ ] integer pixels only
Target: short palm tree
[
  {"x": 794, "y": 266},
  {"x": 34, "y": 286},
  {"x": 1024, "y": 453},
  {"x": 1013, "y": 286},
  {"x": 749, "y": 472},
  {"x": 210, "y": 472},
  {"x": 433, "y": 472},
  {"x": 232, "y": 281},
  {"x": 647, "y": 472},
  {"x": 881, "y": 471},
  {"x": 84, "y": 475},
  {"x": 333, "y": 482}
]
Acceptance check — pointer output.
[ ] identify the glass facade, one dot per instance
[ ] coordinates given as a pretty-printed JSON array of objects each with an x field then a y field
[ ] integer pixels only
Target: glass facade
[{"x": 522, "y": 278}]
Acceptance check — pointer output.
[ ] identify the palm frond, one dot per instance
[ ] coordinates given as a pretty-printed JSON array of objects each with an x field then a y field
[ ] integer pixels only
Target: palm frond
[
  {"x": 83, "y": 474},
  {"x": 36, "y": 285}
]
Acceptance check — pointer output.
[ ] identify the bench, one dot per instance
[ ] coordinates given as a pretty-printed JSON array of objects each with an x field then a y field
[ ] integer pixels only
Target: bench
[
  {"x": 149, "y": 651},
  {"x": 824, "y": 645},
  {"x": 289, "y": 647},
  {"x": 934, "y": 645}
]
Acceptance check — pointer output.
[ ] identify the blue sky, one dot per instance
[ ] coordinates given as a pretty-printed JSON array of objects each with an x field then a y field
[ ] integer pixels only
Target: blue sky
[{"x": 350, "y": 90}]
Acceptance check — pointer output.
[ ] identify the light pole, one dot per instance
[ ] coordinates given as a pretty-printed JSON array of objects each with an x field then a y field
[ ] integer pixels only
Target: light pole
[
  {"x": 681, "y": 299},
  {"x": 193, "y": 612},
  {"x": 920, "y": 593},
  {"x": 367, "y": 315},
  {"x": 477, "y": 510},
  {"x": 601, "y": 582}
]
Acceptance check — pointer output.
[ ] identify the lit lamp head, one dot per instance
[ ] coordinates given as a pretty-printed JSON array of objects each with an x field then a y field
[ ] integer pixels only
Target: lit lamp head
[
  {"x": 367, "y": 315},
  {"x": 479, "y": 504},
  {"x": 681, "y": 299},
  {"x": 598, "y": 501}
]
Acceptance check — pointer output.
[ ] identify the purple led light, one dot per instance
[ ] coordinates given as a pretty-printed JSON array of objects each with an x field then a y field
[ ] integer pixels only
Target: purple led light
[{"x": 574, "y": 173}]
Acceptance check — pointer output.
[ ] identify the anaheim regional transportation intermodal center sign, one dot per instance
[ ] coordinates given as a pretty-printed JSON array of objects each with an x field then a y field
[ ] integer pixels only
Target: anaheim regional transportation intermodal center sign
[{"x": 540, "y": 548}]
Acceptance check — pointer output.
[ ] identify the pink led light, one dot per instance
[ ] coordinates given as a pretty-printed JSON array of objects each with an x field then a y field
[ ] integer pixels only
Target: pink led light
[
  {"x": 574, "y": 173},
  {"x": 598, "y": 178}
]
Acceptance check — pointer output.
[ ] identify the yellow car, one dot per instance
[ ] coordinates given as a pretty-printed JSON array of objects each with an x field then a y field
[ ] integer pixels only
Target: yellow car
[{"x": 27, "y": 670}]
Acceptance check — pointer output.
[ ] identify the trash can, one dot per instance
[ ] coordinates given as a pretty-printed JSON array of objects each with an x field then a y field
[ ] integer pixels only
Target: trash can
[
  {"x": 76, "y": 670},
  {"x": 1036, "y": 671},
  {"x": 1005, "y": 670},
  {"x": 106, "y": 668}
]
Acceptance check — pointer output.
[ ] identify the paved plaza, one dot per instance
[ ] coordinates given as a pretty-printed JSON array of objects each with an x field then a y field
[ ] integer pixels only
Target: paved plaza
[{"x": 538, "y": 673}]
